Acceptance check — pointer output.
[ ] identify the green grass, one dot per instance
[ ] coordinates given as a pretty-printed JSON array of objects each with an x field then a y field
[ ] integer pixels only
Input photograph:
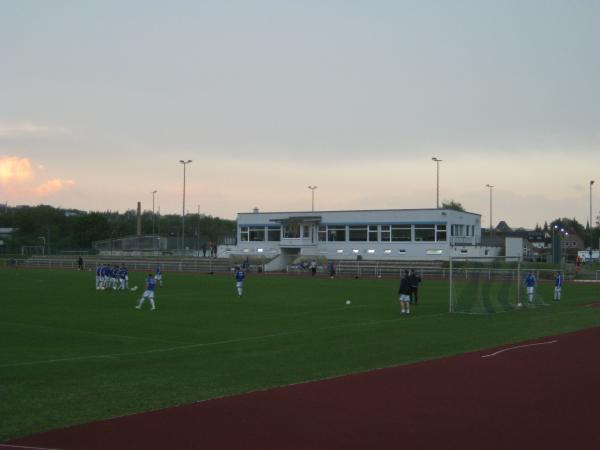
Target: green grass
[{"x": 70, "y": 354}]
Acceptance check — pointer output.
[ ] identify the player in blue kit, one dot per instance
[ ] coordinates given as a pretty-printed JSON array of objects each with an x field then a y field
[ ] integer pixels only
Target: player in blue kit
[
  {"x": 530, "y": 283},
  {"x": 158, "y": 275},
  {"x": 148, "y": 293},
  {"x": 558, "y": 282},
  {"x": 239, "y": 280}
]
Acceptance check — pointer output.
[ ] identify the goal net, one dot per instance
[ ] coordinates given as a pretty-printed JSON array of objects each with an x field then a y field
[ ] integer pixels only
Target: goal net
[{"x": 490, "y": 285}]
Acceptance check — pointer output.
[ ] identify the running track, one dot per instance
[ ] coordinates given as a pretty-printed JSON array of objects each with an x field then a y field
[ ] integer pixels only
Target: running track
[{"x": 540, "y": 394}]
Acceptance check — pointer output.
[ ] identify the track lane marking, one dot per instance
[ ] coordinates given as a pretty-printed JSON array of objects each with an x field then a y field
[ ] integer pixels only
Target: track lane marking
[{"x": 519, "y": 347}]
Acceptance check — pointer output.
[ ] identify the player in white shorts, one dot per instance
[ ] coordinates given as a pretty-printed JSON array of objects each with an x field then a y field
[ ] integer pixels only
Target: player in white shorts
[{"x": 148, "y": 293}]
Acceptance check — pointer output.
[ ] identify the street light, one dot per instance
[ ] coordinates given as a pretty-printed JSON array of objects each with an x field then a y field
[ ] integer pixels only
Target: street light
[
  {"x": 43, "y": 238},
  {"x": 312, "y": 188},
  {"x": 591, "y": 234},
  {"x": 437, "y": 197},
  {"x": 491, "y": 222},
  {"x": 185, "y": 163},
  {"x": 153, "y": 215}
]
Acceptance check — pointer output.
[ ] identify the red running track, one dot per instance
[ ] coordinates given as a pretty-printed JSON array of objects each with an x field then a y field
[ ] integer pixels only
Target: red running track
[{"x": 534, "y": 395}]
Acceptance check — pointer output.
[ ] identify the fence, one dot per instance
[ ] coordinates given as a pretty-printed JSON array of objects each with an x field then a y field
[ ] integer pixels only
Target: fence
[{"x": 207, "y": 265}]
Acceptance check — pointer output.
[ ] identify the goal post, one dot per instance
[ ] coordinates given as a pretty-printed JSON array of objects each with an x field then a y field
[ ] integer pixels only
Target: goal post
[
  {"x": 490, "y": 285},
  {"x": 493, "y": 284}
]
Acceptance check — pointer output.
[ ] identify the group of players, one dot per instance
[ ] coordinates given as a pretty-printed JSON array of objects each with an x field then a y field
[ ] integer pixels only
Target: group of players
[
  {"x": 112, "y": 277},
  {"x": 530, "y": 283}
]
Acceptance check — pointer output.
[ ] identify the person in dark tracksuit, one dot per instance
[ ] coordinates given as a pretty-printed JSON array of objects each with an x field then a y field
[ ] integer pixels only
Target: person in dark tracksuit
[
  {"x": 404, "y": 291},
  {"x": 415, "y": 280}
]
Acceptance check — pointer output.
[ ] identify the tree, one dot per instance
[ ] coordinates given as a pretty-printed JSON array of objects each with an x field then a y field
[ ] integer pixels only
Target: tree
[{"x": 452, "y": 204}]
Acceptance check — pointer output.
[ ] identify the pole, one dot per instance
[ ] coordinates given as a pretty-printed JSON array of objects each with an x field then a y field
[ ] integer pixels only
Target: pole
[
  {"x": 491, "y": 221},
  {"x": 591, "y": 234},
  {"x": 185, "y": 163},
  {"x": 153, "y": 216},
  {"x": 312, "y": 188},
  {"x": 437, "y": 190}
]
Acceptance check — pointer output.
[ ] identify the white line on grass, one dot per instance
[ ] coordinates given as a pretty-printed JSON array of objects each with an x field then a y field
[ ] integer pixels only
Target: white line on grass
[
  {"x": 519, "y": 347},
  {"x": 73, "y": 330},
  {"x": 210, "y": 344}
]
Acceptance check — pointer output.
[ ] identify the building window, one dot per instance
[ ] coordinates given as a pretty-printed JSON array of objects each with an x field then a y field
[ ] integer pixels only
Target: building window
[
  {"x": 322, "y": 233},
  {"x": 440, "y": 233},
  {"x": 385, "y": 233},
  {"x": 358, "y": 233},
  {"x": 425, "y": 233},
  {"x": 305, "y": 231},
  {"x": 274, "y": 234},
  {"x": 401, "y": 233},
  {"x": 336, "y": 233},
  {"x": 373, "y": 233},
  {"x": 291, "y": 231},
  {"x": 244, "y": 234},
  {"x": 257, "y": 233}
]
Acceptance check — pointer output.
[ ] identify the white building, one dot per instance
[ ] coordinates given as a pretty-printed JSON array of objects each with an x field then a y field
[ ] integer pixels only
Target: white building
[{"x": 399, "y": 234}]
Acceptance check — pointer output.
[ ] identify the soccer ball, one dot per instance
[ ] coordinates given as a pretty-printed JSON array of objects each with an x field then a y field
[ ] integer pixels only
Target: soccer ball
[
  {"x": 519, "y": 305},
  {"x": 348, "y": 302}
]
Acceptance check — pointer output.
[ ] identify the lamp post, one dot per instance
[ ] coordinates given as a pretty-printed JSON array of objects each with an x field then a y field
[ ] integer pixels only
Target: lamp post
[
  {"x": 312, "y": 188},
  {"x": 591, "y": 233},
  {"x": 437, "y": 196},
  {"x": 555, "y": 245},
  {"x": 185, "y": 163},
  {"x": 43, "y": 238},
  {"x": 491, "y": 222},
  {"x": 153, "y": 216}
]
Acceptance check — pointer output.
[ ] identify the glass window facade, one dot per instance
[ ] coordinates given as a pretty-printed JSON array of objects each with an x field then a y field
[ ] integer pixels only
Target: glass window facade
[
  {"x": 358, "y": 233},
  {"x": 274, "y": 234}
]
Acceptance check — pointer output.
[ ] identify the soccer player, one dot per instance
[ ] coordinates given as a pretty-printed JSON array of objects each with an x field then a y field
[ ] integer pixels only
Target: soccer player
[
  {"x": 415, "y": 280},
  {"x": 558, "y": 282},
  {"x": 123, "y": 278},
  {"x": 405, "y": 291},
  {"x": 98, "y": 276},
  {"x": 239, "y": 281},
  {"x": 158, "y": 275},
  {"x": 148, "y": 293},
  {"x": 530, "y": 283}
]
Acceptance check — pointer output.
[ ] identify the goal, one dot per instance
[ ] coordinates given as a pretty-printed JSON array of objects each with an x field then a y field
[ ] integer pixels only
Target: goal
[{"x": 490, "y": 285}]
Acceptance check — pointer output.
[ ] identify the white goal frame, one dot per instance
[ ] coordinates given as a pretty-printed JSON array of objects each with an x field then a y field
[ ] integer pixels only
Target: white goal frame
[{"x": 481, "y": 259}]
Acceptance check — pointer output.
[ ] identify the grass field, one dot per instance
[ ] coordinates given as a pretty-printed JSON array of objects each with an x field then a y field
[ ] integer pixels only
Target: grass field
[{"x": 70, "y": 354}]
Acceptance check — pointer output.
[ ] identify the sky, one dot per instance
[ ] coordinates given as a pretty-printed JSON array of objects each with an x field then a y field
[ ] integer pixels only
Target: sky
[{"x": 100, "y": 100}]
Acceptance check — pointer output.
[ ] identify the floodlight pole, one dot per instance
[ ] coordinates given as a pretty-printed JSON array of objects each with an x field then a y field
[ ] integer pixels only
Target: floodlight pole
[
  {"x": 153, "y": 216},
  {"x": 437, "y": 196},
  {"x": 591, "y": 229},
  {"x": 312, "y": 188},
  {"x": 43, "y": 238},
  {"x": 185, "y": 163},
  {"x": 491, "y": 222}
]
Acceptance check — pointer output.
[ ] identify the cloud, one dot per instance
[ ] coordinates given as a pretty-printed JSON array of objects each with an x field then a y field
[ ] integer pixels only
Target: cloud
[
  {"x": 17, "y": 129},
  {"x": 15, "y": 170},
  {"x": 53, "y": 186}
]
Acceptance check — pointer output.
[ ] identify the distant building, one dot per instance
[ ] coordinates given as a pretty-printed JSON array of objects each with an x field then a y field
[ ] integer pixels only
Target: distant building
[{"x": 398, "y": 234}]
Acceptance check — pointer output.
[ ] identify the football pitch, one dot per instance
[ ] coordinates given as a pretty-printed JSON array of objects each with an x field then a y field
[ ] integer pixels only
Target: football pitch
[{"x": 71, "y": 354}]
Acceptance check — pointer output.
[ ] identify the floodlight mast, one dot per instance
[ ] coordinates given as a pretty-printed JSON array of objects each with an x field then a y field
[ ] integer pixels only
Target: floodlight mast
[
  {"x": 491, "y": 221},
  {"x": 312, "y": 188},
  {"x": 437, "y": 196},
  {"x": 185, "y": 163}
]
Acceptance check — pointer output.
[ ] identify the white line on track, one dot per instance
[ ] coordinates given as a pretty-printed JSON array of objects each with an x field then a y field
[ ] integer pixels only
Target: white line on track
[
  {"x": 210, "y": 344},
  {"x": 25, "y": 447},
  {"x": 519, "y": 347}
]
